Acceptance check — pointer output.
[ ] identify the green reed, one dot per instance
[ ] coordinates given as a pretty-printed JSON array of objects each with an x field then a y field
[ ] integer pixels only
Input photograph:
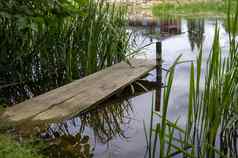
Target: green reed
[
  {"x": 45, "y": 44},
  {"x": 161, "y": 128},
  {"x": 212, "y": 115}
]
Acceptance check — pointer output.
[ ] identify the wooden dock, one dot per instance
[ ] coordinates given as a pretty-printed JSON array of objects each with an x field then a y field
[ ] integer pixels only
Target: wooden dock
[{"x": 73, "y": 98}]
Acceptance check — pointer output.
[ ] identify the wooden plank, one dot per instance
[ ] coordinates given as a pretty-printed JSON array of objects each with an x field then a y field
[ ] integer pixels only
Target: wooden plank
[{"x": 79, "y": 95}]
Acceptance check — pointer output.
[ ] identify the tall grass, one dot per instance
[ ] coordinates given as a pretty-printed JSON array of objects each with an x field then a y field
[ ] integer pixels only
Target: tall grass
[
  {"x": 212, "y": 108},
  {"x": 45, "y": 44}
]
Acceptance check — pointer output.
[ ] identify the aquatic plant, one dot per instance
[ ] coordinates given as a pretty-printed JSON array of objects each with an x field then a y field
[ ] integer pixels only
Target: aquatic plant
[
  {"x": 212, "y": 105},
  {"x": 46, "y": 44},
  {"x": 161, "y": 128},
  {"x": 12, "y": 149}
]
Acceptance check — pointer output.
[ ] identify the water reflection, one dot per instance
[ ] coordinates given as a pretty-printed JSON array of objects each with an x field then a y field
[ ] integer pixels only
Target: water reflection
[
  {"x": 103, "y": 123},
  {"x": 170, "y": 27},
  {"x": 69, "y": 147},
  {"x": 160, "y": 29},
  {"x": 107, "y": 119},
  {"x": 195, "y": 32},
  {"x": 164, "y": 28}
]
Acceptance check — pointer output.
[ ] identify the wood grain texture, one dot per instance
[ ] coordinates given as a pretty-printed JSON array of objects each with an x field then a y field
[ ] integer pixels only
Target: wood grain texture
[{"x": 79, "y": 95}]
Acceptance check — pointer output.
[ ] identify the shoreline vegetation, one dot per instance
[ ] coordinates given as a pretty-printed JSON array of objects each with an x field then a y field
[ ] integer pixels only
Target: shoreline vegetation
[
  {"x": 46, "y": 44},
  {"x": 32, "y": 65},
  {"x": 10, "y": 148},
  {"x": 212, "y": 110},
  {"x": 194, "y": 9}
]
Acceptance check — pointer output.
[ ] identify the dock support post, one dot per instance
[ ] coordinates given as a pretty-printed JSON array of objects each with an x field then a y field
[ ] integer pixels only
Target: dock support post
[{"x": 158, "y": 75}]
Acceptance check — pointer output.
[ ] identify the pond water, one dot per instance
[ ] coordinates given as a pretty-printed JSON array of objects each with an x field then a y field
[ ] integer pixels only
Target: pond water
[{"x": 117, "y": 128}]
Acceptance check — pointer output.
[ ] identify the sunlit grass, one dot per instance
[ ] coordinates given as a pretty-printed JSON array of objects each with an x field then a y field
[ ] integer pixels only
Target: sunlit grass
[
  {"x": 12, "y": 149},
  {"x": 192, "y": 9}
]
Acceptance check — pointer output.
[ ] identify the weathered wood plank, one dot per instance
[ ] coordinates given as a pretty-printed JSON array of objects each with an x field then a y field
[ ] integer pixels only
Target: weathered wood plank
[{"x": 79, "y": 95}]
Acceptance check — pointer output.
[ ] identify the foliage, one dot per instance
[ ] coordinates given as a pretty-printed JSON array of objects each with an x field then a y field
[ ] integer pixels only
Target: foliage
[
  {"x": 230, "y": 27},
  {"x": 193, "y": 9},
  {"x": 43, "y": 8},
  {"x": 12, "y": 149},
  {"x": 46, "y": 44}
]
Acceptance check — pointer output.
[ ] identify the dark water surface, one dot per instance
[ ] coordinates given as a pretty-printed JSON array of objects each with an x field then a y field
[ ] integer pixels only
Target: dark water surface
[{"x": 116, "y": 128}]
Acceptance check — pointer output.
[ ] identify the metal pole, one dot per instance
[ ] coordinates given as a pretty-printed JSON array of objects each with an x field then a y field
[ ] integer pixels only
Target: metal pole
[{"x": 158, "y": 75}]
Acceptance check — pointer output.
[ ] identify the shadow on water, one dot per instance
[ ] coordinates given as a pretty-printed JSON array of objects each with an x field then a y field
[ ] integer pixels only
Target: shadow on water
[
  {"x": 95, "y": 128},
  {"x": 115, "y": 127}
]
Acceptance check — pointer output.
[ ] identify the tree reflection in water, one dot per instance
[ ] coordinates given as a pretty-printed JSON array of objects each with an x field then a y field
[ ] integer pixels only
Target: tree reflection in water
[
  {"x": 70, "y": 139},
  {"x": 195, "y": 32},
  {"x": 106, "y": 121}
]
